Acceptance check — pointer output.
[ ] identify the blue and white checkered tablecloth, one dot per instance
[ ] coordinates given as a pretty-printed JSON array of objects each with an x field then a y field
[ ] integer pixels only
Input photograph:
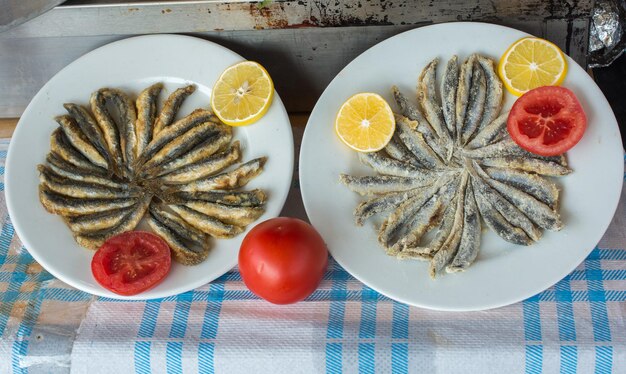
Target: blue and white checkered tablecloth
[{"x": 577, "y": 326}]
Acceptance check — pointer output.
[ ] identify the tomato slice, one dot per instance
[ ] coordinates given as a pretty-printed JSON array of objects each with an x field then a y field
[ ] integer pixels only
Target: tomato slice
[
  {"x": 547, "y": 121},
  {"x": 131, "y": 262}
]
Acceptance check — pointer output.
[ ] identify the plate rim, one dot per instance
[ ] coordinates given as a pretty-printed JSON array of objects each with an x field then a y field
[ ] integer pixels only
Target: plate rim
[
  {"x": 485, "y": 306},
  {"x": 101, "y": 292}
]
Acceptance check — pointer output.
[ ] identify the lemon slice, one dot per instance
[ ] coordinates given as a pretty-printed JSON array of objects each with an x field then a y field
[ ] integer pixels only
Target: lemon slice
[
  {"x": 365, "y": 122},
  {"x": 530, "y": 63},
  {"x": 242, "y": 94}
]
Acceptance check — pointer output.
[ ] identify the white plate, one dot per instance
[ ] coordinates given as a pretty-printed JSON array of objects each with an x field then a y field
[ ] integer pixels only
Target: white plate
[
  {"x": 131, "y": 65},
  {"x": 503, "y": 273}
]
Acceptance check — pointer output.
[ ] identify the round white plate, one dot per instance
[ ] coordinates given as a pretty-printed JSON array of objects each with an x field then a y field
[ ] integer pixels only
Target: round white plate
[
  {"x": 503, "y": 273},
  {"x": 131, "y": 65}
]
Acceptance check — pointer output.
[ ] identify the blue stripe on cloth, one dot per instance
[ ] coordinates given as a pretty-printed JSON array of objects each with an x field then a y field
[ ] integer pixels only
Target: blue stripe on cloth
[
  {"x": 607, "y": 254},
  {"x": 400, "y": 321},
  {"x": 149, "y": 319},
  {"x": 22, "y": 338},
  {"x": 212, "y": 312},
  {"x": 597, "y": 301},
  {"x": 367, "y": 329},
  {"x": 367, "y": 353},
  {"x": 565, "y": 311},
  {"x": 206, "y": 353},
  {"x": 337, "y": 311},
  {"x": 399, "y": 358},
  {"x": 334, "y": 358},
  {"x": 534, "y": 359},
  {"x": 181, "y": 314},
  {"x": 174, "y": 357},
  {"x": 604, "y": 360},
  {"x": 532, "y": 320},
  {"x": 569, "y": 359},
  {"x": 142, "y": 357}
]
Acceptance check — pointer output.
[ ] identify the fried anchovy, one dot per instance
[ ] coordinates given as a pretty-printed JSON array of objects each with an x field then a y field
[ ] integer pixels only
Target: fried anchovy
[
  {"x": 81, "y": 143},
  {"x": 126, "y": 126},
  {"x": 470, "y": 237},
  {"x": 182, "y": 251},
  {"x": 449, "y": 85},
  {"x": 91, "y": 129},
  {"x": 463, "y": 93},
  {"x": 234, "y": 215},
  {"x": 538, "y": 212},
  {"x": 449, "y": 248},
  {"x": 146, "y": 116},
  {"x": 406, "y": 108},
  {"x": 183, "y": 143},
  {"x": 396, "y": 149},
  {"x": 171, "y": 107},
  {"x": 415, "y": 143},
  {"x": 527, "y": 164},
  {"x": 493, "y": 101},
  {"x": 65, "y": 169},
  {"x": 200, "y": 152},
  {"x": 253, "y": 198},
  {"x": 383, "y": 203},
  {"x": 236, "y": 178},
  {"x": 204, "y": 168},
  {"x": 61, "y": 147},
  {"x": 385, "y": 165},
  {"x": 475, "y": 105},
  {"x": 508, "y": 211},
  {"x": 427, "y": 97},
  {"x": 491, "y": 133},
  {"x": 179, "y": 225},
  {"x": 426, "y": 217},
  {"x": 391, "y": 228},
  {"x": 368, "y": 185},
  {"x": 532, "y": 184},
  {"x": 93, "y": 222},
  {"x": 85, "y": 190},
  {"x": 68, "y": 206},
  {"x": 95, "y": 239},
  {"x": 207, "y": 224},
  {"x": 110, "y": 131}
]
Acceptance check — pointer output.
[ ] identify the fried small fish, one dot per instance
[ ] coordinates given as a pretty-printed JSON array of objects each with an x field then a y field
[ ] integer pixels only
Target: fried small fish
[
  {"x": 470, "y": 237},
  {"x": 449, "y": 85},
  {"x": 171, "y": 106},
  {"x": 415, "y": 143},
  {"x": 80, "y": 141},
  {"x": 110, "y": 132},
  {"x": 89, "y": 223},
  {"x": 493, "y": 100},
  {"x": 94, "y": 240},
  {"x": 386, "y": 165},
  {"x": 533, "y": 184},
  {"x": 127, "y": 117},
  {"x": 369, "y": 185},
  {"x": 383, "y": 203},
  {"x": 90, "y": 128},
  {"x": 475, "y": 105},
  {"x": 61, "y": 147},
  {"x": 532, "y": 165},
  {"x": 236, "y": 178},
  {"x": 203, "y": 168},
  {"x": 234, "y": 215},
  {"x": 462, "y": 94},
  {"x": 209, "y": 225},
  {"x": 253, "y": 198},
  {"x": 200, "y": 152},
  {"x": 77, "y": 189},
  {"x": 146, "y": 104},
  {"x": 174, "y": 131},
  {"x": 182, "y": 251},
  {"x": 491, "y": 133},
  {"x": 68, "y": 206},
  {"x": 179, "y": 225}
]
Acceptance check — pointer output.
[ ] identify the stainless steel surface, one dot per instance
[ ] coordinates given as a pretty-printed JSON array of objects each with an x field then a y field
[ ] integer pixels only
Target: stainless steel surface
[
  {"x": 302, "y": 44},
  {"x": 16, "y": 12}
]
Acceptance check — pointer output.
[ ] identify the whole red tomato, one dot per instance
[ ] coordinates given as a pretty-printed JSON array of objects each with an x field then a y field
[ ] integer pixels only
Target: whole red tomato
[{"x": 283, "y": 260}]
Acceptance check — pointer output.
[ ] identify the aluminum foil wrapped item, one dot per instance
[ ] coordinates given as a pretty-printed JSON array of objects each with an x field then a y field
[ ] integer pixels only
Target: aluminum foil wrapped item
[{"x": 606, "y": 38}]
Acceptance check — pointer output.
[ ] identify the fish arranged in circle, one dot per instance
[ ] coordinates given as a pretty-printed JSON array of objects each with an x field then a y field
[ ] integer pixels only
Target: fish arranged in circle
[
  {"x": 122, "y": 160},
  {"x": 451, "y": 167}
]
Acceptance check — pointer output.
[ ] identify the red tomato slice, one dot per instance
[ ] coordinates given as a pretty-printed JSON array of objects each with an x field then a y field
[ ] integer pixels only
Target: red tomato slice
[
  {"x": 547, "y": 121},
  {"x": 132, "y": 262}
]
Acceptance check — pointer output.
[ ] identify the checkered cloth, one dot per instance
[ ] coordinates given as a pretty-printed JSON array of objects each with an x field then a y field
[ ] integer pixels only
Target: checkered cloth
[{"x": 575, "y": 326}]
